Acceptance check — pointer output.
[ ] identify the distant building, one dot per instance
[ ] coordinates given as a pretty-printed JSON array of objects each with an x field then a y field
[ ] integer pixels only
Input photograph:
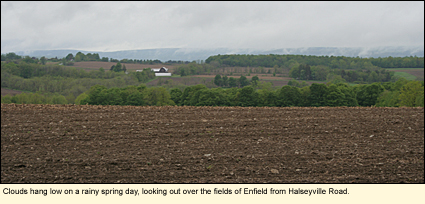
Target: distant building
[
  {"x": 162, "y": 74},
  {"x": 159, "y": 71}
]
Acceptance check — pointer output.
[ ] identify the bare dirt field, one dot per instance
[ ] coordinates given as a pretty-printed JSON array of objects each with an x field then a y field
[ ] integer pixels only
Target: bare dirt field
[
  {"x": 249, "y": 77},
  {"x": 202, "y": 79},
  {"x": 9, "y": 91},
  {"x": 127, "y": 144}
]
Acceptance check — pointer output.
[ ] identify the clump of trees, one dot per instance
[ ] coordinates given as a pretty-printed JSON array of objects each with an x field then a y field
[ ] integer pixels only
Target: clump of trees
[
  {"x": 34, "y": 98},
  {"x": 118, "y": 68},
  {"x": 233, "y": 82},
  {"x": 131, "y": 95},
  {"x": 85, "y": 57},
  {"x": 194, "y": 68},
  {"x": 322, "y": 73},
  {"x": 316, "y": 95},
  {"x": 296, "y": 83},
  {"x": 10, "y": 57},
  {"x": 401, "y": 93},
  {"x": 302, "y": 72}
]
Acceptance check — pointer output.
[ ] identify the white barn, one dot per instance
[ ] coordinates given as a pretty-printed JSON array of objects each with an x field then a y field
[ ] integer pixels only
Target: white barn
[
  {"x": 162, "y": 70},
  {"x": 162, "y": 74},
  {"x": 159, "y": 71}
]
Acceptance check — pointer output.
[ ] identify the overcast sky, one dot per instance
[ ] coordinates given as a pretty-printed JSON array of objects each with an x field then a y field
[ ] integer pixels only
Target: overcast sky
[{"x": 113, "y": 26}]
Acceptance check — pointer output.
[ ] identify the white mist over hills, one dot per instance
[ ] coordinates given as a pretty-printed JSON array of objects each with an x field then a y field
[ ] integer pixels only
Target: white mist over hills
[{"x": 190, "y": 54}]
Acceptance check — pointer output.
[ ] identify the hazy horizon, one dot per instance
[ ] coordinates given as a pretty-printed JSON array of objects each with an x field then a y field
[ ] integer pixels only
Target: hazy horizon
[
  {"x": 116, "y": 26},
  {"x": 190, "y": 54}
]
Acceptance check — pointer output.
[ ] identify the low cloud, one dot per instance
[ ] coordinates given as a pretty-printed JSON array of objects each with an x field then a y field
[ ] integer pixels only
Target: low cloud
[{"x": 111, "y": 26}]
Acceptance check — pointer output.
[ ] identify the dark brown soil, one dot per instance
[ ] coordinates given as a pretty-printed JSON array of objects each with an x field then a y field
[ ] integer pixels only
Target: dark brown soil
[{"x": 125, "y": 144}]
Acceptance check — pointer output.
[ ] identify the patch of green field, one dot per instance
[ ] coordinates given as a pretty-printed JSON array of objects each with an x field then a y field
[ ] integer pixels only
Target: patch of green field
[
  {"x": 17, "y": 90},
  {"x": 404, "y": 69},
  {"x": 275, "y": 79},
  {"x": 405, "y": 75},
  {"x": 314, "y": 81},
  {"x": 150, "y": 80}
]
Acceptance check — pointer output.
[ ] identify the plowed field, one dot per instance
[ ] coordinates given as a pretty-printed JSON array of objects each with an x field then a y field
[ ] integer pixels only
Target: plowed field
[
  {"x": 126, "y": 144},
  {"x": 11, "y": 92}
]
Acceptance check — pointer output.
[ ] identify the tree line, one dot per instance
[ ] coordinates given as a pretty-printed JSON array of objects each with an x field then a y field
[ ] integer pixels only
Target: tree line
[
  {"x": 81, "y": 57},
  {"x": 322, "y": 73},
  {"x": 334, "y": 62},
  {"x": 35, "y": 98},
  {"x": 271, "y": 60},
  {"x": 230, "y": 82},
  {"x": 388, "y": 94}
]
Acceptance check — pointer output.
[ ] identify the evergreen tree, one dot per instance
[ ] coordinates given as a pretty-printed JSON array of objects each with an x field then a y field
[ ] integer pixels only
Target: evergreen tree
[
  {"x": 118, "y": 67},
  {"x": 243, "y": 81},
  {"x": 233, "y": 82},
  {"x": 254, "y": 81},
  {"x": 225, "y": 81},
  {"x": 217, "y": 80}
]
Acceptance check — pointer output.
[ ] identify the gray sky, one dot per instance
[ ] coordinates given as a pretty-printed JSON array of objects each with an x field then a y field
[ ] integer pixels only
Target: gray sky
[{"x": 113, "y": 26}]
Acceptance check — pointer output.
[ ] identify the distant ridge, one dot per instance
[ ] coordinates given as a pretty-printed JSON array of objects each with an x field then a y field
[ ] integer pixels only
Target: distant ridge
[{"x": 190, "y": 54}]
